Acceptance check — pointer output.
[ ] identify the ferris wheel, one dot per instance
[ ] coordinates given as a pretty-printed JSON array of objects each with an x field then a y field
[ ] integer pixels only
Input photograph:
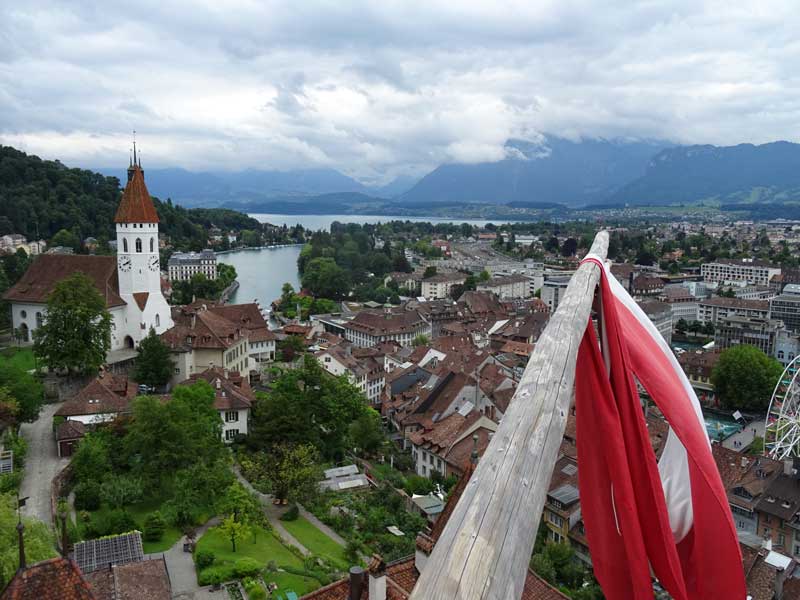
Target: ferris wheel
[{"x": 782, "y": 426}]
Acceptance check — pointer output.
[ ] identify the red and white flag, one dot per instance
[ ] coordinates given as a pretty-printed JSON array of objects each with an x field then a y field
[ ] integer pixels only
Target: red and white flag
[{"x": 669, "y": 518}]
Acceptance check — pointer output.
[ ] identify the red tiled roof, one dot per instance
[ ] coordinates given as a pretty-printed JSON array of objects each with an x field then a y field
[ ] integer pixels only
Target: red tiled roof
[
  {"x": 136, "y": 205},
  {"x": 232, "y": 391},
  {"x": 70, "y": 430},
  {"x": 106, "y": 393},
  {"x": 48, "y": 269},
  {"x": 54, "y": 579}
]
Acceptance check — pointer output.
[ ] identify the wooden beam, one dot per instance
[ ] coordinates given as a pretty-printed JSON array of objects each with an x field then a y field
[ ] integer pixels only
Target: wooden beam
[{"x": 484, "y": 550}]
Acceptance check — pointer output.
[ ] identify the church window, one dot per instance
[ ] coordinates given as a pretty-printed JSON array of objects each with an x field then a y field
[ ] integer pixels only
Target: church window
[
  {"x": 138, "y": 244},
  {"x": 124, "y": 244},
  {"x": 158, "y": 321},
  {"x": 152, "y": 245}
]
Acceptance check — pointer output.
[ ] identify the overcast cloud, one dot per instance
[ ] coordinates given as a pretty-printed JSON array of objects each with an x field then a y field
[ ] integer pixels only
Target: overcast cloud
[{"x": 381, "y": 88}]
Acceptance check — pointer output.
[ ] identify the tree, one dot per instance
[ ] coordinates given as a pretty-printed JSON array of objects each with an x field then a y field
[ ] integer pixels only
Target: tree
[
  {"x": 120, "y": 491},
  {"x": 154, "y": 527},
  {"x": 429, "y": 272},
  {"x": 681, "y": 326},
  {"x": 569, "y": 247},
  {"x": 744, "y": 378},
  {"x": 76, "y": 332},
  {"x": 295, "y": 472},
  {"x": 233, "y": 530},
  {"x": 24, "y": 389},
  {"x": 366, "y": 432},
  {"x": 154, "y": 365},
  {"x": 306, "y": 406},
  {"x": 484, "y": 275},
  {"x": 226, "y": 275},
  {"x": 324, "y": 278},
  {"x": 66, "y": 238},
  {"x": 92, "y": 460},
  {"x": 420, "y": 340},
  {"x": 39, "y": 542},
  {"x": 543, "y": 568},
  {"x": 243, "y": 505}
]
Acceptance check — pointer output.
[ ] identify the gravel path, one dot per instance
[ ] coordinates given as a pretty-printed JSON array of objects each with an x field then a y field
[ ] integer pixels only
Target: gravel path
[{"x": 41, "y": 464}]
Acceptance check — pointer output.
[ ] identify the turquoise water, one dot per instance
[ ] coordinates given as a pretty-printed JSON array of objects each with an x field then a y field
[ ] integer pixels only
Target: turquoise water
[{"x": 717, "y": 427}]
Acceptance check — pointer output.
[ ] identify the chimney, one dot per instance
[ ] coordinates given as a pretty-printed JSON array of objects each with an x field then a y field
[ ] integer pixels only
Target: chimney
[
  {"x": 744, "y": 461},
  {"x": 356, "y": 583},
  {"x": 377, "y": 578}
]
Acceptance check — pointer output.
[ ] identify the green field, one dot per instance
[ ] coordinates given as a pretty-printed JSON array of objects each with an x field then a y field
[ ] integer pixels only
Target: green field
[
  {"x": 21, "y": 358},
  {"x": 265, "y": 550},
  {"x": 316, "y": 541}
]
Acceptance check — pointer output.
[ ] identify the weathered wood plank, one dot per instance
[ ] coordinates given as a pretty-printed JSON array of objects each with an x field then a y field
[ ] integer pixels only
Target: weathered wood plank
[{"x": 484, "y": 550}]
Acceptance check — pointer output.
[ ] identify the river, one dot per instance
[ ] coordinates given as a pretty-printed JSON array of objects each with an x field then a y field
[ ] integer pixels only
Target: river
[{"x": 262, "y": 273}]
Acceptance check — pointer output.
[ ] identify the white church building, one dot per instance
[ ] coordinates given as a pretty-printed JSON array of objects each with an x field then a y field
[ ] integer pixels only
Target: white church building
[{"x": 130, "y": 282}]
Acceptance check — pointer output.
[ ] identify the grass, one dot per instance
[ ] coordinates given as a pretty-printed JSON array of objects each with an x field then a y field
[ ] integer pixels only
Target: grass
[
  {"x": 21, "y": 358},
  {"x": 266, "y": 549},
  {"x": 316, "y": 541}
]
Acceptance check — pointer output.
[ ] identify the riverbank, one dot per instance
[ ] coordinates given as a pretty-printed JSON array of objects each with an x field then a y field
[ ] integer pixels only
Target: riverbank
[{"x": 249, "y": 248}]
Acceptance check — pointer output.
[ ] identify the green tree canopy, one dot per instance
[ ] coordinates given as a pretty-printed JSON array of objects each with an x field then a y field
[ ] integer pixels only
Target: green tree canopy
[
  {"x": 76, "y": 332},
  {"x": 306, "y": 405},
  {"x": 324, "y": 278},
  {"x": 25, "y": 389},
  {"x": 154, "y": 364},
  {"x": 745, "y": 377}
]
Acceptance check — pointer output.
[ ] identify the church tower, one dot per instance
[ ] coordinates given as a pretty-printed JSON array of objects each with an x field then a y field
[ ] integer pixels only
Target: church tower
[{"x": 138, "y": 265}]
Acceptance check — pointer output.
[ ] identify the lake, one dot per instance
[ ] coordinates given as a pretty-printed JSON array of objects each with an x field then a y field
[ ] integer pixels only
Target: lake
[
  {"x": 317, "y": 222},
  {"x": 262, "y": 273}
]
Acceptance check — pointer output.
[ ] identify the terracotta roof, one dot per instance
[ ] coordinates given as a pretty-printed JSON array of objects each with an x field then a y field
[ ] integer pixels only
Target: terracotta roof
[
  {"x": 247, "y": 316},
  {"x": 232, "y": 390},
  {"x": 199, "y": 327},
  {"x": 740, "y": 303},
  {"x": 48, "y": 269},
  {"x": 70, "y": 430},
  {"x": 54, "y": 579},
  {"x": 136, "y": 205},
  {"x": 106, "y": 393},
  {"x": 380, "y": 323},
  {"x": 537, "y": 588},
  {"x": 143, "y": 580}
]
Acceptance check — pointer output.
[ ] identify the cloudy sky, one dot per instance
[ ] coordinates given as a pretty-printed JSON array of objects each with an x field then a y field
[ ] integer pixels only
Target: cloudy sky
[{"x": 381, "y": 88}]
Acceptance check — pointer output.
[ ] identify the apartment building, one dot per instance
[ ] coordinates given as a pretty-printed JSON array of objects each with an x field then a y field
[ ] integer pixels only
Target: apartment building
[
  {"x": 713, "y": 310},
  {"x": 439, "y": 286},
  {"x": 182, "y": 266},
  {"x": 749, "y": 270}
]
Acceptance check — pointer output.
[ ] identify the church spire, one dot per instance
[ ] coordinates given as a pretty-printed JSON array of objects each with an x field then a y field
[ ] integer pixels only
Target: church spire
[{"x": 132, "y": 162}]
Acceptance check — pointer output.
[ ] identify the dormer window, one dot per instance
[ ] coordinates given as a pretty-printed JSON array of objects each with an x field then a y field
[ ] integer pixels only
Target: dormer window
[{"x": 771, "y": 499}]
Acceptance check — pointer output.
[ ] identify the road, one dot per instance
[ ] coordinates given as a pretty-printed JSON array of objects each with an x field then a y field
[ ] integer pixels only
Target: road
[{"x": 41, "y": 464}]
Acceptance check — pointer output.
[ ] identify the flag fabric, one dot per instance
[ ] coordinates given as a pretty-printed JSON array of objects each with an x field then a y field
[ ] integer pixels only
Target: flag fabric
[{"x": 668, "y": 518}]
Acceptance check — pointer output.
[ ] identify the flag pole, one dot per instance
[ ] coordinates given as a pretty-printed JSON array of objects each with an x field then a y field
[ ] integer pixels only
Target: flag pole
[{"x": 485, "y": 547}]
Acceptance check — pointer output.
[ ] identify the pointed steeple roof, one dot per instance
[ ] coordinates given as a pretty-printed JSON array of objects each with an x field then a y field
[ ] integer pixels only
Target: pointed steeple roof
[{"x": 136, "y": 205}]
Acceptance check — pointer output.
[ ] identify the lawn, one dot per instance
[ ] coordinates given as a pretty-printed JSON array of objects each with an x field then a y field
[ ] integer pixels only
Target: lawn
[
  {"x": 316, "y": 541},
  {"x": 21, "y": 358},
  {"x": 267, "y": 549}
]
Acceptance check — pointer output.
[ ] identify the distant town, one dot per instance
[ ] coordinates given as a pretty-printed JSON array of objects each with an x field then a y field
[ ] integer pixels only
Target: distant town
[{"x": 157, "y": 433}]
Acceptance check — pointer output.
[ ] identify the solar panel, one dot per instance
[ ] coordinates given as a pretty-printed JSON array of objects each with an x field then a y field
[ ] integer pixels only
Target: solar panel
[
  {"x": 92, "y": 555},
  {"x": 569, "y": 469}
]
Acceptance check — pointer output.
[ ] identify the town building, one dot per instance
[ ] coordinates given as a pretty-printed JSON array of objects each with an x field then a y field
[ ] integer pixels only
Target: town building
[
  {"x": 12, "y": 242},
  {"x": 202, "y": 339},
  {"x": 508, "y": 286},
  {"x": 749, "y": 270},
  {"x": 713, "y": 310},
  {"x": 786, "y": 307},
  {"x": 369, "y": 328},
  {"x": 553, "y": 290},
  {"x": 440, "y": 285},
  {"x": 129, "y": 283},
  {"x": 261, "y": 341},
  {"x": 233, "y": 398},
  {"x": 660, "y": 313},
  {"x": 445, "y": 446},
  {"x": 734, "y": 330},
  {"x": 182, "y": 266},
  {"x": 645, "y": 285},
  {"x": 366, "y": 374}
]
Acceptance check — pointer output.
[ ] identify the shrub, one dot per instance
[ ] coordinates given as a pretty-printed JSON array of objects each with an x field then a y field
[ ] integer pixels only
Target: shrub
[
  {"x": 246, "y": 567},
  {"x": 217, "y": 574},
  {"x": 10, "y": 482},
  {"x": 154, "y": 526},
  {"x": 291, "y": 514},
  {"x": 204, "y": 559},
  {"x": 87, "y": 495},
  {"x": 416, "y": 484},
  {"x": 255, "y": 591},
  {"x": 119, "y": 521}
]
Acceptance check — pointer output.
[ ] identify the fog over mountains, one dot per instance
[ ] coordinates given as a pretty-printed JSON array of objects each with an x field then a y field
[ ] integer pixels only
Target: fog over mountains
[{"x": 556, "y": 170}]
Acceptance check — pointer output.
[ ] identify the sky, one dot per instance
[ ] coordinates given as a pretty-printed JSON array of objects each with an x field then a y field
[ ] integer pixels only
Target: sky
[{"x": 386, "y": 88}]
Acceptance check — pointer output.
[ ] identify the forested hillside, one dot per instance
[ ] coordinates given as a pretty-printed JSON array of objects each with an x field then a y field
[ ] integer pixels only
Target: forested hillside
[{"x": 39, "y": 198}]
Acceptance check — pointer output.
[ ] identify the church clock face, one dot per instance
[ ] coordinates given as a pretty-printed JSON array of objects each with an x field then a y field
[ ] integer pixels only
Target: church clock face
[
  {"x": 124, "y": 263},
  {"x": 153, "y": 264}
]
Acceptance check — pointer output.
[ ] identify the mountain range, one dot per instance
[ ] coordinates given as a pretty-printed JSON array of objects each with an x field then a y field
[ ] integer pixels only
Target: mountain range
[{"x": 587, "y": 172}]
